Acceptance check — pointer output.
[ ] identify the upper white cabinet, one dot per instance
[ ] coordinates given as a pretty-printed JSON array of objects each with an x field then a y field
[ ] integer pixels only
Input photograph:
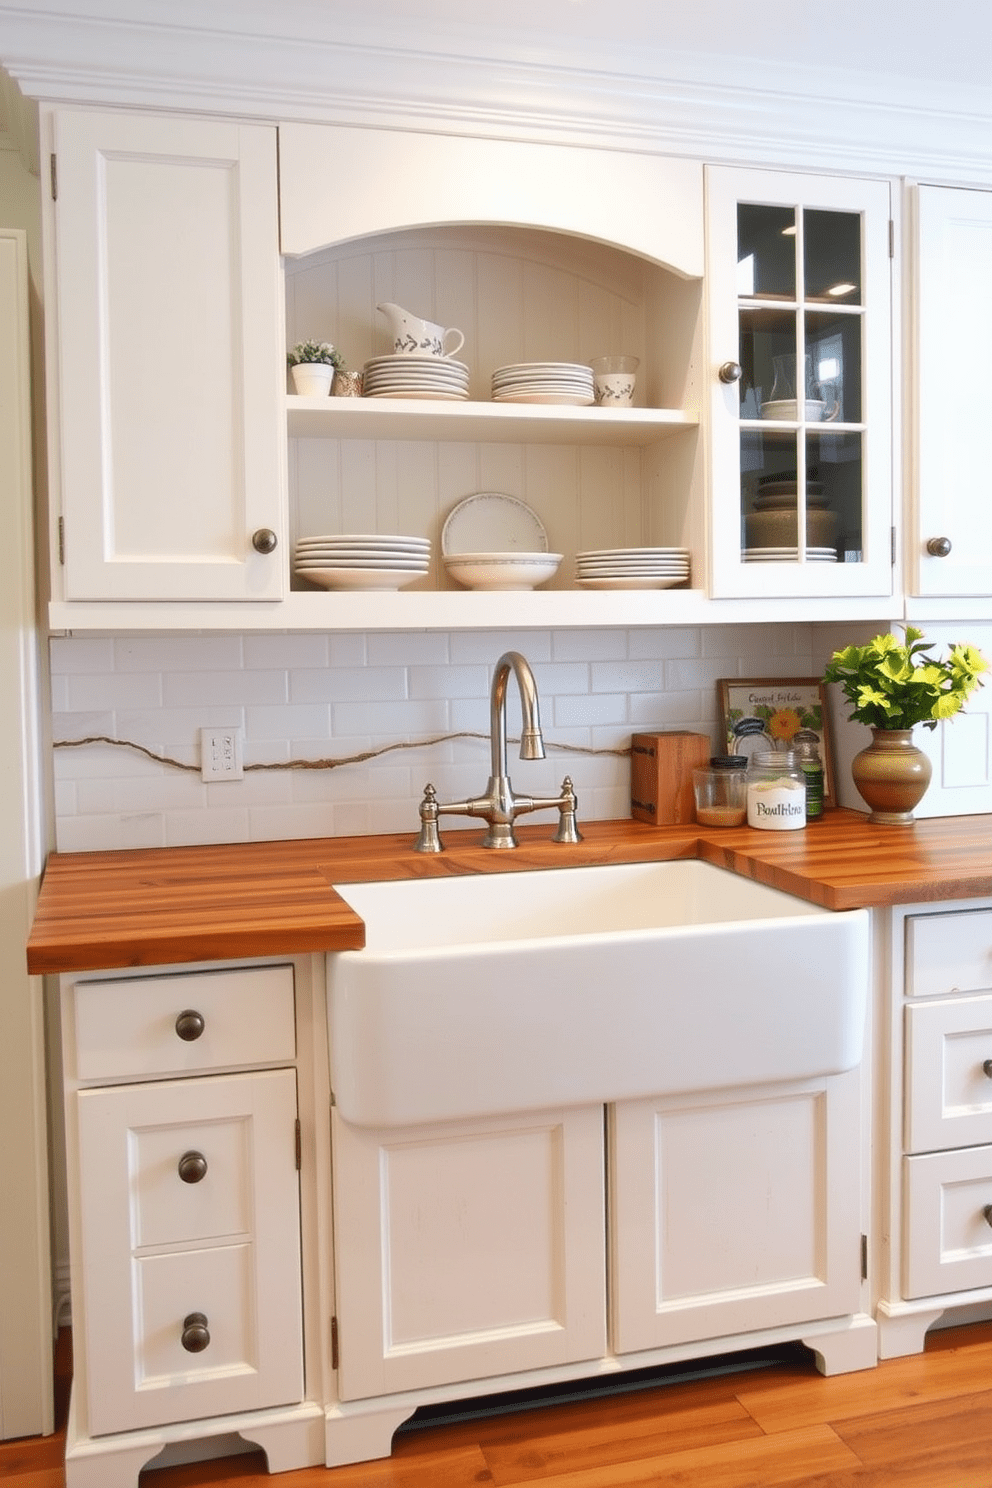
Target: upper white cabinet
[
  {"x": 951, "y": 535},
  {"x": 536, "y": 253},
  {"x": 184, "y": 470},
  {"x": 166, "y": 345},
  {"x": 799, "y": 296}
]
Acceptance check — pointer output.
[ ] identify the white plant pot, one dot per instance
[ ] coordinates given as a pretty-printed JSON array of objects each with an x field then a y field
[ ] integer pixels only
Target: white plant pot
[{"x": 312, "y": 379}]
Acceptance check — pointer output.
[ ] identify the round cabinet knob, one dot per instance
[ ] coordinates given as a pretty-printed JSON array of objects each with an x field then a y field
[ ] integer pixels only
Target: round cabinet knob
[
  {"x": 987, "y": 1068},
  {"x": 196, "y": 1334},
  {"x": 192, "y": 1167},
  {"x": 189, "y": 1025},
  {"x": 264, "y": 540},
  {"x": 938, "y": 547},
  {"x": 987, "y": 1214},
  {"x": 731, "y": 372}
]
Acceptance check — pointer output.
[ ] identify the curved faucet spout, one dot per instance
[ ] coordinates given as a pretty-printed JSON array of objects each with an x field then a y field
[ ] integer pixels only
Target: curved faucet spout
[{"x": 531, "y": 739}]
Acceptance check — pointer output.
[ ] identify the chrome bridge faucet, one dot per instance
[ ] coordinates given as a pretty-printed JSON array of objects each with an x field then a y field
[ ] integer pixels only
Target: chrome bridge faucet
[{"x": 500, "y": 806}]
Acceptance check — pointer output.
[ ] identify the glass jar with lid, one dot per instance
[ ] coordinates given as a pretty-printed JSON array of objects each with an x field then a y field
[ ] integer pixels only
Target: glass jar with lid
[
  {"x": 721, "y": 791},
  {"x": 776, "y": 791}
]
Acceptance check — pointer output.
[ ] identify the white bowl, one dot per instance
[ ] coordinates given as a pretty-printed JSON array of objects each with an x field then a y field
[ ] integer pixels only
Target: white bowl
[
  {"x": 788, "y": 408},
  {"x": 502, "y": 570}
]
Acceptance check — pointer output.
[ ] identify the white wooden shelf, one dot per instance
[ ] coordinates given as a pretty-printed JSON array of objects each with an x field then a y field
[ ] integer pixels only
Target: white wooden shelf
[{"x": 489, "y": 423}]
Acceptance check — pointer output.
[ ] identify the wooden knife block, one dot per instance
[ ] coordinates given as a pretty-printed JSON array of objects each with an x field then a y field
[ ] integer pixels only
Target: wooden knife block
[{"x": 661, "y": 767}]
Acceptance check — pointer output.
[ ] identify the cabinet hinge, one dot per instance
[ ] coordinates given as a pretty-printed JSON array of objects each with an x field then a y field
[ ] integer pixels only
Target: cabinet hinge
[
  {"x": 864, "y": 1257},
  {"x": 892, "y": 238},
  {"x": 334, "y": 1343},
  {"x": 53, "y": 176},
  {"x": 61, "y": 540},
  {"x": 299, "y": 1145}
]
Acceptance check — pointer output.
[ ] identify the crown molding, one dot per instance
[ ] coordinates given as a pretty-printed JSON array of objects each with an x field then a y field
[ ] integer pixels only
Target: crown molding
[{"x": 626, "y": 98}]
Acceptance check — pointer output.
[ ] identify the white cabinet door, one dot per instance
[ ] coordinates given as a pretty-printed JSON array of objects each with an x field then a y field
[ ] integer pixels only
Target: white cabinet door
[
  {"x": 170, "y": 361},
  {"x": 734, "y": 1212},
  {"x": 188, "y": 1268},
  {"x": 469, "y": 1249},
  {"x": 952, "y": 532},
  {"x": 800, "y": 357}
]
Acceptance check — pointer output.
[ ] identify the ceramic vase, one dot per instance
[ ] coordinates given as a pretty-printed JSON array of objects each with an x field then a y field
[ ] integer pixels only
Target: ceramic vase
[
  {"x": 312, "y": 379},
  {"x": 891, "y": 775}
]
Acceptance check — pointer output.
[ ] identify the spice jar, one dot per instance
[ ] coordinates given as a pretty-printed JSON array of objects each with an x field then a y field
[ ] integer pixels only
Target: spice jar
[
  {"x": 776, "y": 791},
  {"x": 807, "y": 747},
  {"x": 721, "y": 791}
]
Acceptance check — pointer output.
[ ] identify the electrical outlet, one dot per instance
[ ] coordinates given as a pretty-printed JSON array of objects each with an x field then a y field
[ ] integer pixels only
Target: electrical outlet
[{"x": 220, "y": 754}]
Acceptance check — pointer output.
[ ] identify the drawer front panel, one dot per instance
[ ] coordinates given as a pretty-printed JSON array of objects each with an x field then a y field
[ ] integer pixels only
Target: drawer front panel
[
  {"x": 948, "y": 1092},
  {"x": 169, "y": 1208},
  {"x": 949, "y": 953},
  {"x": 947, "y": 1238},
  {"x": 127, "y": 1029}
]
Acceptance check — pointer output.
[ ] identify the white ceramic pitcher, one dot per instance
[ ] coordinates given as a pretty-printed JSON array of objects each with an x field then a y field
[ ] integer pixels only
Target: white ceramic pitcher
[{"x": 413, "y": 336}]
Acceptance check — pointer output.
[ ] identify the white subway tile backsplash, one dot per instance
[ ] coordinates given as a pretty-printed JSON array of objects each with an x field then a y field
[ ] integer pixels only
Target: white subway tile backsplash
[
  {"x": 347, "y": 683},
  {"x": 194, "y": 653},
  {"x": 488, "y": 645},
  {"x": 333, "y": 696},
  {"x": 589, "y": 645},
  {"x": 192, "y": 689},
  {"x": 89, "y": 691},
  {"x": 680, "y": 641},
  {"x": 418, "y": 648},
  {"x": 81, "y": 654},
  {"x": 289, "y": 651},
  {"x": 288, "y": 720},
  {"x": 568, "y": 712},
  {"x": 448, "y": 682}
]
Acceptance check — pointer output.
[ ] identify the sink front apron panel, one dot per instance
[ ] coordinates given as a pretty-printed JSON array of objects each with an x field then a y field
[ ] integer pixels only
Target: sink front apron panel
[{"x": 515, "y": 992}]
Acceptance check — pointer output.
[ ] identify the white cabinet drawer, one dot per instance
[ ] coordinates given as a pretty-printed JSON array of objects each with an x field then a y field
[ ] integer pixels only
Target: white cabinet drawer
[
  {"x": 127, "y": 1028},
  {"x": 948, "y": 1093},
  {"x": 154, "y": 1249},
  {"x": 949, "y": 953},
  {"x": 947, "y": 1238}
]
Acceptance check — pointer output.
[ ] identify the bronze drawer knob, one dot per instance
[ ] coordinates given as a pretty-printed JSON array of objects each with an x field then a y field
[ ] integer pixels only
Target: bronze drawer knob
[
  {"x": 189, "y": 1025},
  {"x": 196, "y": 1334},
  {"x": 192, "y": 1167}
]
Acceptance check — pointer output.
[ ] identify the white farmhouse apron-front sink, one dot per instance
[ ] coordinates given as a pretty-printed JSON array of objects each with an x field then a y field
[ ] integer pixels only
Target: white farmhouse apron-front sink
[{"x": 517, "y": 991}]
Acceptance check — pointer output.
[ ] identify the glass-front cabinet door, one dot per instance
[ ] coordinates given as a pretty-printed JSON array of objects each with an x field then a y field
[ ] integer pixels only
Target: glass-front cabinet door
[{"x": 799, "y": 279}]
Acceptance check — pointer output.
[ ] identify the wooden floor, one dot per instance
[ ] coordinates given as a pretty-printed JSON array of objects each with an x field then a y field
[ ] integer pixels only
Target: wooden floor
[{"x": 922, "y": 1422}]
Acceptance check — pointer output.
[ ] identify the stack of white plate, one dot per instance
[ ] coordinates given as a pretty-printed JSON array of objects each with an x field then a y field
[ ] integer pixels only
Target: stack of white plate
[
  {"x": 788, "y": 555},
  {"x": 359, "y": 560},
  {"x": 544, "y": 382},
  {"x": 632, "y": 568},
  {"x": 414, "y": 377}
]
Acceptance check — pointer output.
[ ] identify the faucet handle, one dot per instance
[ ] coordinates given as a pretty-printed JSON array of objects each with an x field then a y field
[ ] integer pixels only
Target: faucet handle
[
  {"x": 429, "y": 838},
  {"x": 568, "y": 804}
]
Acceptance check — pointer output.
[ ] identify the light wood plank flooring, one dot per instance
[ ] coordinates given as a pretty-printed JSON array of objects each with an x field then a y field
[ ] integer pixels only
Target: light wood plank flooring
[{"x": 922, "y": 1422}]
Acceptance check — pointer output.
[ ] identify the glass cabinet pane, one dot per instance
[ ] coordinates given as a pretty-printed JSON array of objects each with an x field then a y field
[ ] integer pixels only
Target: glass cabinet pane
[
  {"x": 766, "y": 252},
  {"x": 801, "y": 383},
  {"x": 832, "y": 256}
]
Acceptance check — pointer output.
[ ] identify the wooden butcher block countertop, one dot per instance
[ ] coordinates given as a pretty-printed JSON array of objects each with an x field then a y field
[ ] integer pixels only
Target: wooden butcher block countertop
[{"x": 159, "y": 906}]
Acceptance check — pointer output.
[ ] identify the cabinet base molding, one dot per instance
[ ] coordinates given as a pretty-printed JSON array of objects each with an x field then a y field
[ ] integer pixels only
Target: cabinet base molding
[
  {"x": 291, "y": 1438},
  {"x": 903, "y": 1326},
  {"x": 362, "y": 1430},
  {"x": 844, "y": 1349}
]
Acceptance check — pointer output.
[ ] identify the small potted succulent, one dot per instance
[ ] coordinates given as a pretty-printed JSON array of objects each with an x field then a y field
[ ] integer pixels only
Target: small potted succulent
[
  {"x": 312, "y": 365},
  {"x": 892, "y": 685}
]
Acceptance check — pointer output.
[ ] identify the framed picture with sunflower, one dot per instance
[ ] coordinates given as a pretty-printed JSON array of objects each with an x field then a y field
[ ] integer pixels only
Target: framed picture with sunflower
[{"x": 776, "y": 713}]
